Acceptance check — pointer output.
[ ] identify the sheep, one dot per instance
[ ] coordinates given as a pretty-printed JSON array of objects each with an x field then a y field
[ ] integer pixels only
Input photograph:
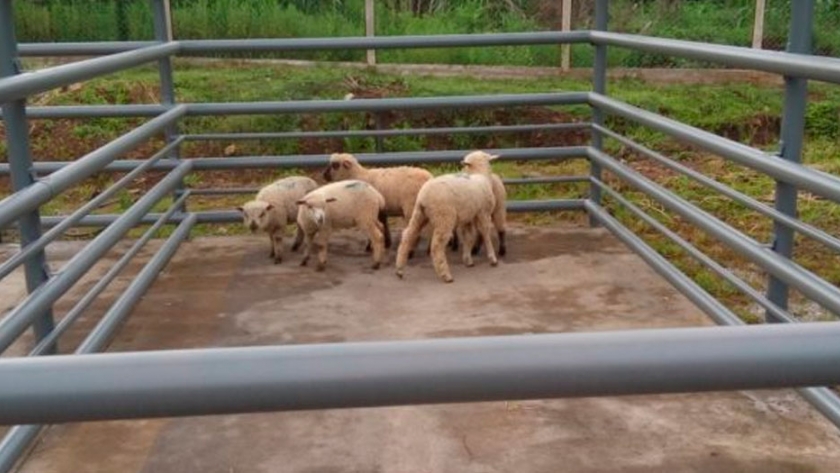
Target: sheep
[
  {"x": 343, "y": 204},
  {"x": 398, "y": 185},
  {"x": 273, "y": 208},
  {"x": 478, "y": 162},
  {"x": 451, "y": 202}
]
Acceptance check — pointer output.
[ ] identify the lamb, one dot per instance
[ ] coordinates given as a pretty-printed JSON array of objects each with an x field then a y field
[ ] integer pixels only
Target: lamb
[
  {"x": 452, "y": 202},
  {"x": 398, "y": 185},
  {"x": 343, "y": 204},
  {"x": 273, "y": 208},
  {"x": 478, "y": 162}
]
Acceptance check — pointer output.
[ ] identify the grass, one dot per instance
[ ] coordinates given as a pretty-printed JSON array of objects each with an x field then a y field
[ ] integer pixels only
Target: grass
[
  {"x": 719, "y": 21},
  {"x": 743, "y": 112}
]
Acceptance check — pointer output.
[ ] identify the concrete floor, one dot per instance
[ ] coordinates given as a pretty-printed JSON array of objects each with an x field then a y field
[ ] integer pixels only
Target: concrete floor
[{"x": 225, "y": 292}]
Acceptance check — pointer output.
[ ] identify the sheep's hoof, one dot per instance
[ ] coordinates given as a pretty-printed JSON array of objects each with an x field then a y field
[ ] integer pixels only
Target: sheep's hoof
[
  {"x": 321, "y": 267},
  {"x": 494, "y": 262},
  {"x": 448, "y": 279},
  {"x": 469, "y": 264},
  {"x": 376, "y": 265},
  {"x": 400, "y": 273},
  {"x": 278, "y": 260},
  {"x": 304, "y": 261}
]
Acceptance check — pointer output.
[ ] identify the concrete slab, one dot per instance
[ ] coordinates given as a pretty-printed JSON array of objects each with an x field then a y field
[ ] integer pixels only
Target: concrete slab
[{"x": 225, "y": 292}]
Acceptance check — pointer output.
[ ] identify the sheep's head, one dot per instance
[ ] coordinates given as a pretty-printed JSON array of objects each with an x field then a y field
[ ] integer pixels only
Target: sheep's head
[
  {"x": 478, "y": 162},
  {"x": 256, "y": 215},
  {"x": 342, "y": 166},
  {"x": 314, "y": 209}
]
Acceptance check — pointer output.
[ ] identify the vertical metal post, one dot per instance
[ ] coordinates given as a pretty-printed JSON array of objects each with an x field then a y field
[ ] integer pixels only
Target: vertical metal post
[
  {"x": 793, "y": 129},
  {"x": 161, "y": 14},
  {"x": 20, "y": 164},
  {"x": 599, "y": 85}
]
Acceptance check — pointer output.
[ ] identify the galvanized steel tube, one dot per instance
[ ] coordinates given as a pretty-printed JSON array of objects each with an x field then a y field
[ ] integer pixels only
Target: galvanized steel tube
[
  {"x": 806, "y": 282},
  {"x": 811, "y": 67},
  {"x": 373, "y": 374},
  {"x": 197, "y": 47},
  {"x": 831, "y": 242},
  {"x": 16, "y": 320},
  {"x": 71, "y": 173},
  {"x": 818, "y": 182},
  {"x": 24, "y": 85}
]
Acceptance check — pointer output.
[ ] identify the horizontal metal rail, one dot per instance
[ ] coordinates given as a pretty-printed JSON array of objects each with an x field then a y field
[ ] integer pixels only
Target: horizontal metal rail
[
  {"x": 196, "y": 47},
  {"x": 685, "y": 285},
  {"x": 18, "y": 319},
  {"x": 71, "y": 173},
  {"x": 698, "y": 255},
  {"x": 94, "y": 111},
  {"x": 79, "y": 308},
  {"x": 20, "y": 437},
  {"x": 508, "y": 181},
  {"x": 314, "y": 106},
  {"x": 27, "y": 84},
  {"x": 373, "y": 374},
  {"x": 814, "y": 181},
  {"x": 752, "y": 204},
  {"x": 80, "y": 49},
  {"x": 805, "y": 281},
  {"x": 387, "y": 133},
  {"x": 231, "y": 216},
  {"x": 388, "y": 104},
  {"x": 797, "y": 65},
  {"x": 18, "y": 258},
  {"x": 316, "y": 160}
]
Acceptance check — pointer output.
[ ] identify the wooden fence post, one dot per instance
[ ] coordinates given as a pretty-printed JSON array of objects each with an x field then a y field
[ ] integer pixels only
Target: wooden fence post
[
  {"x": 370, "y": 26},
  {"x": 758, "y": 25},
  {"x": 566, "y": 49}
]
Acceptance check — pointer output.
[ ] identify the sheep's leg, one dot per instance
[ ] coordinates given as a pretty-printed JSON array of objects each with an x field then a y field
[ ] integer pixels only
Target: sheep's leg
[
  {"x": 502, "y": 247},
  {"x": 298, "y": 238},
  {"x": 485, "y": 226},
  {"x": 440, "y": 238},
  {"x": 277, "y": 245},
  {"x": 499, "y": 223},
  {"x": 409, "y": 239},
  {"x": 465, "y": 234},
  {"x": 386, "y": 232},
  {"x": 307, "y": 249},
  {"x": 378, "y": 239},
  {"x": 271, "y": 244},
  {"x": 321, "y": 241}
]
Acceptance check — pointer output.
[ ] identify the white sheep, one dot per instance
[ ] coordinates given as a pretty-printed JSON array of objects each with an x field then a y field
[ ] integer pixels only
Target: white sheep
[
  {"x": 478, "y": 162},
  {"x": 398, "y": 185},
  {"x": 452, "y": 202},
  {"x": 273, "y": 208},
  {"x": 344, "y": 204}
]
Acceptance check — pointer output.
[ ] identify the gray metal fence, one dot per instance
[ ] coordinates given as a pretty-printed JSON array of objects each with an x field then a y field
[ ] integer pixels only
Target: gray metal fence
[{"x": 787, "y": 354}]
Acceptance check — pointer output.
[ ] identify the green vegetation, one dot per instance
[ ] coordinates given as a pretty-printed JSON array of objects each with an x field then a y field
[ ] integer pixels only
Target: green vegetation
[{"x": 719, "y": 21}]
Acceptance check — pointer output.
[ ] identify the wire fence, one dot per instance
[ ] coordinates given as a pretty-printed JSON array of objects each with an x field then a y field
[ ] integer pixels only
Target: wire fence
[{"x": 732, "y": 22}]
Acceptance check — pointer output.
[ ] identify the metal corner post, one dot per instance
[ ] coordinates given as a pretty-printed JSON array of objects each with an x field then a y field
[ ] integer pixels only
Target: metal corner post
[
  {"x": 20, "y": 162},
  {"x": 599, "y": 84},
  {"x": 162, "y": 17},
  {"x": 793, "y": 129}
]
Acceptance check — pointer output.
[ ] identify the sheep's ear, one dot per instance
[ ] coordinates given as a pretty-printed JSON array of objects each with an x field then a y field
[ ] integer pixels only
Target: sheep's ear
[
  {"x": 239, "y": 208},
  {"x": 269, "y": 206},
  {"x": 331, "y": 199},
  {"x": 346, "y": 164},
  {"x": 494, "y": 156}
]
